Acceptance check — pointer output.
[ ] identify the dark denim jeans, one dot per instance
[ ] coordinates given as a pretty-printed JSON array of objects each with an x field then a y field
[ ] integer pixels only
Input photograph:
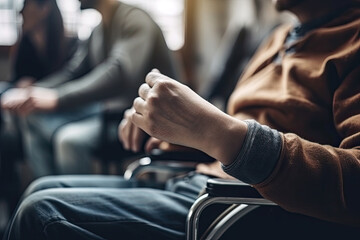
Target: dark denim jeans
[
  {"x": 61, "y": 142},
  {"x": 104, "y": 207}
]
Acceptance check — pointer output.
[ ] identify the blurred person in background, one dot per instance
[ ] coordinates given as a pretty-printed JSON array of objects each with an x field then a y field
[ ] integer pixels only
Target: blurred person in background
[
  {"x": 42, "y": 49},
  {"x": 62, "y": 114}
]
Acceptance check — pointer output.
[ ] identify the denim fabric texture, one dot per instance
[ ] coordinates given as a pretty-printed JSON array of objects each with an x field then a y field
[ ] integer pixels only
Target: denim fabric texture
[{"x": 104, "y": 207}]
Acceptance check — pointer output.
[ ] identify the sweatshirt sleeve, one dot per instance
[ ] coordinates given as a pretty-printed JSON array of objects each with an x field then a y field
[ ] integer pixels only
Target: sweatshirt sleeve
[
  {"x": 77, "y": 66},
  {"x": 127, "y": 61},
  {"x": 320, "y": 180},
  {"x": 258, "y": 155}
]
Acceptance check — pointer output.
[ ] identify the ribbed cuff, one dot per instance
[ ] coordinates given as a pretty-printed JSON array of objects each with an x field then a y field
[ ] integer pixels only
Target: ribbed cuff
[{"x": 258, "y": 156}]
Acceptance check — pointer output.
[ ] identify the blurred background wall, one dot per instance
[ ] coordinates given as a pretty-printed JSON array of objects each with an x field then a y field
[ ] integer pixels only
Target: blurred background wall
[{"x": 192, "y": 28}]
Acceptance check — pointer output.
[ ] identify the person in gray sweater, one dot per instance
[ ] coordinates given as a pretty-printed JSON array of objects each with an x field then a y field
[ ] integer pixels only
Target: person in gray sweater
[{"x": 61, "y": 115}]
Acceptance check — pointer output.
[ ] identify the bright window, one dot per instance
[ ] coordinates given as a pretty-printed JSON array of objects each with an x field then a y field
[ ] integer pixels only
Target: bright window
[
  {"x": 8, "y": 22},
  {"x": 169, "y": 14},
  {"x": 76, "y": 21}
]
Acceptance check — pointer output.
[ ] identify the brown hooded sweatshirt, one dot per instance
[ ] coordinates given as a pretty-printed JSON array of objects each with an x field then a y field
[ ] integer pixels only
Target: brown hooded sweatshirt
[{"x": 311, "y": 96}]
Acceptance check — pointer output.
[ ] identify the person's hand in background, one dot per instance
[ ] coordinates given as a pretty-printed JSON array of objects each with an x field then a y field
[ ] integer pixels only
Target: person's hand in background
[
  {"x": 14, "y": 98},
  {"x": 24, "y": 101}
]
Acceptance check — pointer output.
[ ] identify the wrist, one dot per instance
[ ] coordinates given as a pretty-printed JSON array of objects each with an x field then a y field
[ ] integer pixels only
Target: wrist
[{"x": 225, "y": 138}]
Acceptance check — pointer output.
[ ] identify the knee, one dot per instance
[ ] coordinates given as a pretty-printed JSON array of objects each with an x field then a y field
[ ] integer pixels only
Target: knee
[
  {"x": 73, "y": 149},
  {"x": 29, "y": 209},
  {"x": 42, "y": 184},
  {"x": 66, "y": 141},
  {"x": 32, "y": 216},
  {"x": 67, "y": 152}
]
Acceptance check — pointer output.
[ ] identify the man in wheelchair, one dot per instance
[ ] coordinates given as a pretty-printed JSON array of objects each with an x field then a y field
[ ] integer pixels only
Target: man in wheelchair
[{"x": 292, "y": 131}]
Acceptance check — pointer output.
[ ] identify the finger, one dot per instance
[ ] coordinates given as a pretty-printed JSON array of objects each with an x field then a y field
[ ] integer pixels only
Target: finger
[
  {"x": 128, "y": 113},
  {"x": 144, "y": 90},
  {"x": 124, "y": 128},
  {"x": 21, "y": 107},
  {"x": 137, "y": 139},
  {"x": 30, "y": 104},
  {"x": 26, "y": 110},
  {"x": 126, "y": 135},
  {"x": 152, "y": 143},
  {"x": 27, "y": 107},
  {"x": 5, "y": 105},
  {"x": 139, "y": 105},
  {"x": 139, "y": 121},
  {"x": 155, "y": 70},
  {"x": 9, "y": 104},
  {"x": 121, "y": 131},
  {"x": 152, "y": 78}
]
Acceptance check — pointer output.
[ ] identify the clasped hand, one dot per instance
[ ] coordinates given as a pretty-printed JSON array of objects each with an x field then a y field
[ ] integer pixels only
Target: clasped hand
[
  {"x": 24, "y": 101},
  {"x": 165, "y": 109},
  {"x": 172, "y": 112}
]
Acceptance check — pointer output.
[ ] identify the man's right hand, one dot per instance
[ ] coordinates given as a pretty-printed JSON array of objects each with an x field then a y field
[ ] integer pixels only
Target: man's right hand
[{"x": 174, "y": 113}]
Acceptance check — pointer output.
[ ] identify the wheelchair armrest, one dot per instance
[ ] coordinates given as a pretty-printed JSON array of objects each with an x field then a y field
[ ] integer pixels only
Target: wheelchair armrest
[
  {"x": 173, "y": 162},
  {"x": 181, "y": 156},
  {"x": 217, "y": 187},
  {"x": 242, "y": 198}
]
